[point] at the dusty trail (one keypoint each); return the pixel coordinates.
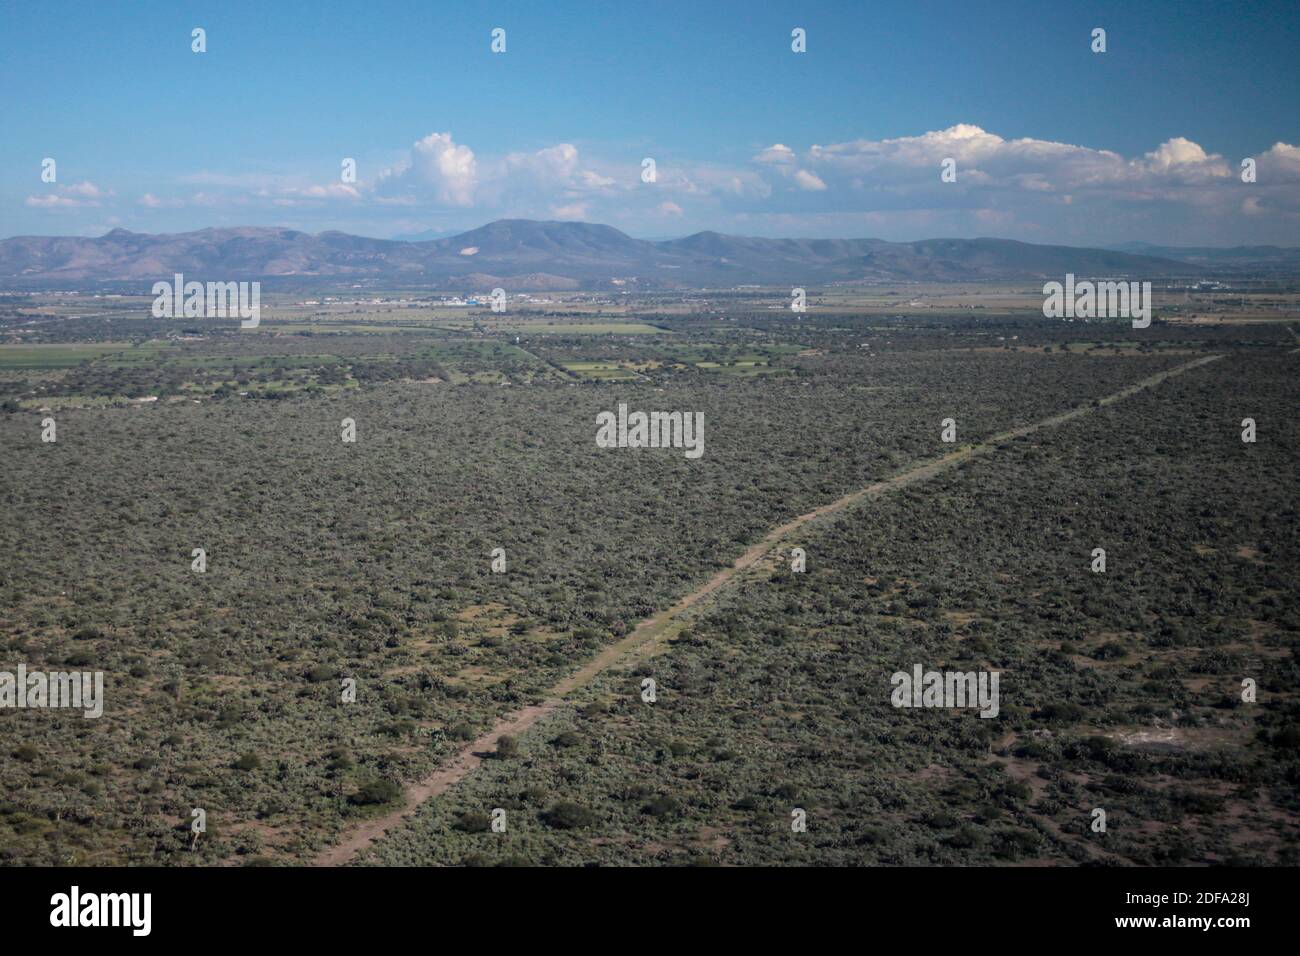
(647, 635)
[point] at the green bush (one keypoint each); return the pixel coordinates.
(376, 792)
(569, 816)
(474, 822)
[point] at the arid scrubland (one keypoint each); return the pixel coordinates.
(328, 562)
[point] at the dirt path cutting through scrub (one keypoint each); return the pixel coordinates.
(647, 635)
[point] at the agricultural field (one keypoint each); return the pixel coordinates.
(372, 562)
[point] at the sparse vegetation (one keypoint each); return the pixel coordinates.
(329, 561)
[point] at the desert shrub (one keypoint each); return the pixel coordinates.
(663, 806)
(249, 761)
(569, 816)
(474, 822)
(460, 731)
(1061, 712)
(376, 792)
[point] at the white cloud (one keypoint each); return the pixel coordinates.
(1038, 189)
(52, 201)
(556, 174)
(150, 201)
(808, 181)
(441, 172)
(77, 195)
(1280, 163)
(711, 181)
(1030, 164)
(448, 167)
(84, 190)
(331, 191)
(437, 167)
(557, 164)
(783, 160)
(1035, 188)
(311, 195)
(577, 210)
(777, 153)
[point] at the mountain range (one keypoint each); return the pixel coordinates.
(1238, 258)
(522, 254)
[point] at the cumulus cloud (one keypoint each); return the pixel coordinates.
(557, 165)
(436, 165)
(441, 172)
(73, 196)
(1029, 164)
(783, 160)
(777, 153)
(1279, 164)
(557, 178)
(1176, 152)
(1037, 189)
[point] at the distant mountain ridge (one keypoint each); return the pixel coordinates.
(549, 254)
(1253, 258)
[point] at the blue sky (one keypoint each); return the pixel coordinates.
(1051, 142)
